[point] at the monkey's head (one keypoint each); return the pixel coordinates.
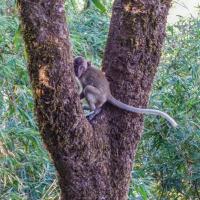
(80, 66)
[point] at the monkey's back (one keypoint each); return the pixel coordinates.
(95, 78)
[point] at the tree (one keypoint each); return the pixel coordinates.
(93, 159)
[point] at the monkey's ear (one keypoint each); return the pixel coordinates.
(89, 63)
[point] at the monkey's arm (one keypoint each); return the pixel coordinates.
(80, 88)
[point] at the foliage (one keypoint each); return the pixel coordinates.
(102, 5)
(166, 165)
(88, 34)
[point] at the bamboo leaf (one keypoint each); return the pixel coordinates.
(99, 5)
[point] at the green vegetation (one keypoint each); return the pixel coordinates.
(167, 163)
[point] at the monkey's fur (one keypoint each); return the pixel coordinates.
(96, 90)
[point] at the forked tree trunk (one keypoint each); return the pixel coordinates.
(93, 160)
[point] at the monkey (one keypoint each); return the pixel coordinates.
(96, 90)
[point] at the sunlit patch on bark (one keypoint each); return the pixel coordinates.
(38, 92)
(128, 7)
(43, 77)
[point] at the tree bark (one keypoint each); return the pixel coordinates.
(93, 160)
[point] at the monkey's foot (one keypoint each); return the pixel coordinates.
(92, 115)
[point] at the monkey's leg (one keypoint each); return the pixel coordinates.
(92, 95)
(91, 102)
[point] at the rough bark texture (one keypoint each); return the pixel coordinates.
(94, 160)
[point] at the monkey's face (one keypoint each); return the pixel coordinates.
(80, 66)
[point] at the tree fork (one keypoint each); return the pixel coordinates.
(94, 160)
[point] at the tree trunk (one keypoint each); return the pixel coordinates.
(93, 160)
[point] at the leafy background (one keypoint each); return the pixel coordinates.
(167, 164)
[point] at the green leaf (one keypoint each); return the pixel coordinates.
(17, 40)
(99, 5)
(141, 190)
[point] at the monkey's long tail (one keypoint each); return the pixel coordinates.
(126, 107)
